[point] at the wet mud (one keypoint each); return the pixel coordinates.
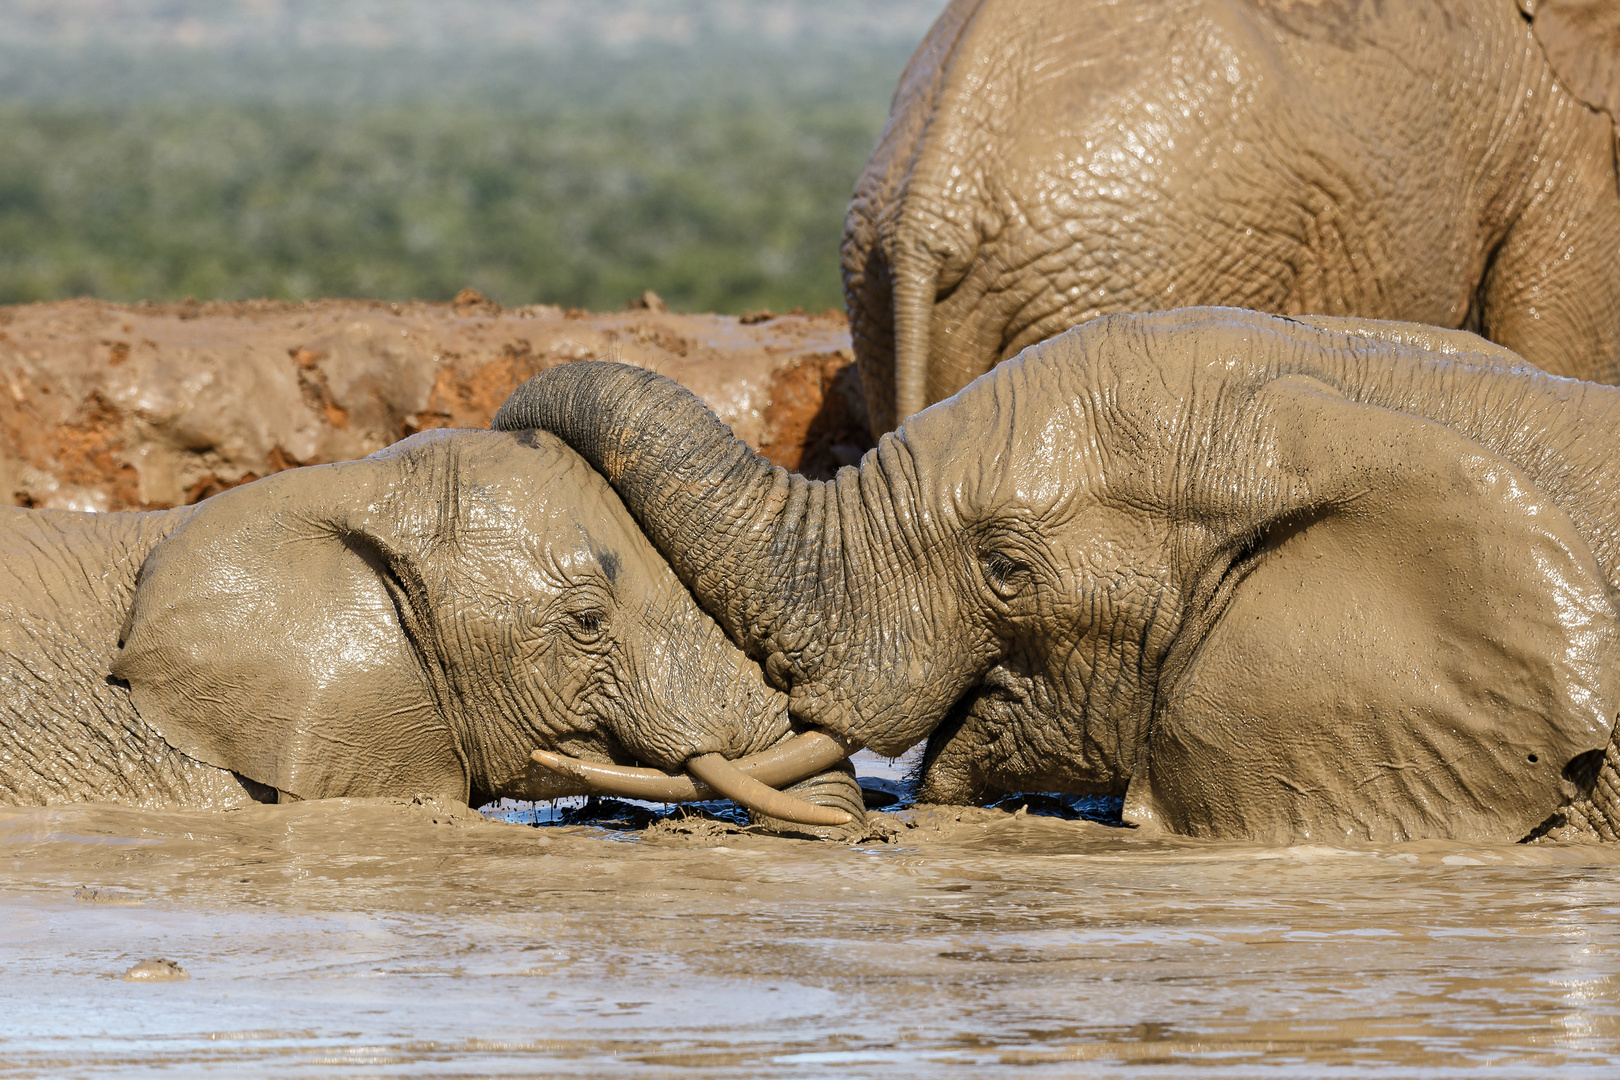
(404, 938)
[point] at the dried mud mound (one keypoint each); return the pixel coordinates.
(118, 407)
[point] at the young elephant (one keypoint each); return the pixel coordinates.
(1267, 578)
(415, 622)
(1048, 161)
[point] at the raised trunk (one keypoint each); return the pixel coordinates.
(761, 548)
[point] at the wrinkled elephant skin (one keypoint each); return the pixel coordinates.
(1283, 579)
(413, 623)
(1049, 161)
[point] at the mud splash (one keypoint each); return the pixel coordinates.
(404, 938)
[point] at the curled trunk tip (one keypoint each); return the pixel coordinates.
(724, 777)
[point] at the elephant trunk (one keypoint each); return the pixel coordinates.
(734, 527)
(915, 276)
(818, 581)
(765, 551)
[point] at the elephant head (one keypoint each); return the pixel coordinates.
(420, 620)
(1266, 577)
(1049, 161)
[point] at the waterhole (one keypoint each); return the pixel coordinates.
(383, 938)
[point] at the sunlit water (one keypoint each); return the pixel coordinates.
(395, 939)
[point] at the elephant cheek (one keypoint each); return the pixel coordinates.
(550, 699)
(1035, 725)
(645, 698)
(684, 699)
(966, 759)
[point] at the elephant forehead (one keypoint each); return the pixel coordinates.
(518, 469)
(548, 543)
(525, 498)
(1018, 439)
(578, 548)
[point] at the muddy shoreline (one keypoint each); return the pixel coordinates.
(394, 938)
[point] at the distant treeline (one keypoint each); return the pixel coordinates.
(721, 185)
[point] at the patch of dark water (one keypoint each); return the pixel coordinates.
(878, 793)
(1102, 809)
(886, 784)
(617, 815)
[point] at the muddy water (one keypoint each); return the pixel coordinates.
(397, 939)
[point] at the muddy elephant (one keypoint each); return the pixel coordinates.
(1271, 578)
(416, 622)
(1048, 161)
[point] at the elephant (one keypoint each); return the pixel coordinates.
(417, 622)
(1048, 161)
(1265, 578)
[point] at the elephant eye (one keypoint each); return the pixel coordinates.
(586, 625)
(1003, 571)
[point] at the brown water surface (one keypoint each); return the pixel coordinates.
(399, 939)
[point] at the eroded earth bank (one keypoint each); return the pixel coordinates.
(129, 407)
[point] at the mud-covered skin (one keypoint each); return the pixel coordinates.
(1274, 578)
(1449, 163)
(415, 622)
(69, 731)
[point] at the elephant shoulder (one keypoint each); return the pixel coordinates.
(68, 732)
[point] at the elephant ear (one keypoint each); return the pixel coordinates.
(269, 636)
(1416, 645)
(1581, 40)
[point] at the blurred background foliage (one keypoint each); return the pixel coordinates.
(573, 152)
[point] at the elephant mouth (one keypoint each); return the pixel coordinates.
(750, 781)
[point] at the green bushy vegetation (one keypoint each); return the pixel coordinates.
(579, 180)
(715, 211)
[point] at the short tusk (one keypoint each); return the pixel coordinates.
(802, 756)
(724, 777)
(799, 758)
(654, 785)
